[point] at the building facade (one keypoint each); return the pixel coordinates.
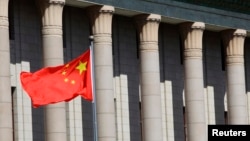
(164, 69)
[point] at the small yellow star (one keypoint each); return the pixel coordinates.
(67, 65)
(81, 67)
(64, 72)
(73, 82)
(66, 79)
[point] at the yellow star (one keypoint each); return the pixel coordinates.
(73, 81)
(67, 65)
(64, 72)
(81, 67)
(66, 79)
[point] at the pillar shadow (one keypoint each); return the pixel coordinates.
(25, 48)
(76, 40)
(171, 67)
(214, 76)
(126, 69)
(247, 70)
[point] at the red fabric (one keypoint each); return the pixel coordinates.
(61, 83)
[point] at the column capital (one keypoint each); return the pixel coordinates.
(44, 2)
(47, 4)
(101, 18)
(51, 13)
(147, 27)
(189, 27)
(144, 18)
(233, 40)
(62, 2)
(193, 25)
(191, 33)
(227, 35)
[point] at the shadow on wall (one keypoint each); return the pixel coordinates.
(126, 73)
(171, 66)
(26, 48)
(76, 32)
(247, 72)
(171, 74)
(214, 77)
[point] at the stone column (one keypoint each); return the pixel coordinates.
(147, 26)
(193, 82)
(101, 21)
(55, 114)
(236, 89)
(6, 128)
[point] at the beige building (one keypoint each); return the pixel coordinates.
(164, 69)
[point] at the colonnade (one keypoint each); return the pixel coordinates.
(147, 27)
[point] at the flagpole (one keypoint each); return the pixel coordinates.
(91, 38)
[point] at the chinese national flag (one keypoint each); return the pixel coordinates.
(61, 83)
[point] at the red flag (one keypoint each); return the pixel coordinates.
(61, 83)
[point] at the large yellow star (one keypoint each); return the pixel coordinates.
(81, 67)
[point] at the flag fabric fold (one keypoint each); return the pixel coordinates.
(60, 83)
